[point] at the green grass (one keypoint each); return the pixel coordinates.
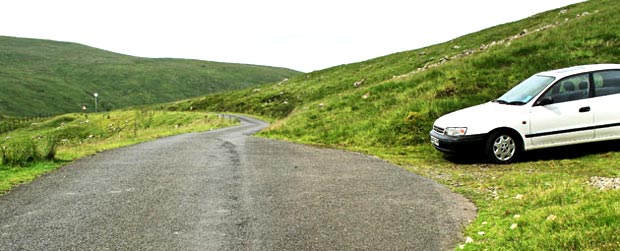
(391, 113)
(546, 197)
(528, 193)
(79, 135)
(41, 77)
(13, 176)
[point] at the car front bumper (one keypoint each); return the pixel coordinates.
(459, 144)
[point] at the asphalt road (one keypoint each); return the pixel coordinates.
(227, 190)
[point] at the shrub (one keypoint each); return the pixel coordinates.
(46, 148)
(18, 152)
(21, 151)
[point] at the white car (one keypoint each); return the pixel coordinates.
(555, 108)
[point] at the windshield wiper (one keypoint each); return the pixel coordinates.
(504, 102)
(516, 103)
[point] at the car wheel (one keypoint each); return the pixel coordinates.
(502, 147)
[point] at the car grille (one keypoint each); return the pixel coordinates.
(438, 129)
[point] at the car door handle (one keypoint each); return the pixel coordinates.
(584, 109)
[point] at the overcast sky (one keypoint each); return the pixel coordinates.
(304, 35)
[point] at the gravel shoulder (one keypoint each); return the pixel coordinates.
(227, 190)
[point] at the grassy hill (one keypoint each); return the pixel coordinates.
(39, 77)
(402, 94)
(386, 107)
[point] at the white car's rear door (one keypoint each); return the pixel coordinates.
(606, 105)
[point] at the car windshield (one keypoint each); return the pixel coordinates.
(525, 91)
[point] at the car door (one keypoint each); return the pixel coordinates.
(568, 119)
(606, 104)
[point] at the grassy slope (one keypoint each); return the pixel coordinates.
(400, 111)
(390, 115)
(52, 77)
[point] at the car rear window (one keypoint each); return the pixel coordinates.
(606, 82)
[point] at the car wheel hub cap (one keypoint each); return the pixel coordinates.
(504, 148)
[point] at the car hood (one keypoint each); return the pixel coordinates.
(487, 114)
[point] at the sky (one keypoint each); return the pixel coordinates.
(304, 35)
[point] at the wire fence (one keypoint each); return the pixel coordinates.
(228, 117)
(11, 124)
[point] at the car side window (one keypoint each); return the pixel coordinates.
(569, 89)
(606, 83)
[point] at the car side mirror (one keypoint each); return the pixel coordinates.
(545, 101)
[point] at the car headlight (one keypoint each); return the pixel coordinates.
(456, 131)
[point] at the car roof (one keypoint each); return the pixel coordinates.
(561, 73)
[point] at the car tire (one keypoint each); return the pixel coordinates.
(502, 147)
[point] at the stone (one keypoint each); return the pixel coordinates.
(359, 83)
(605, 183)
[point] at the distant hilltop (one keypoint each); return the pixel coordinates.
(41, 77)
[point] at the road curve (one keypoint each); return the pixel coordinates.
(227, 190)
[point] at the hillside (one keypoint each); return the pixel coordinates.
(386, 106)
(40, 77)
(400, 95)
